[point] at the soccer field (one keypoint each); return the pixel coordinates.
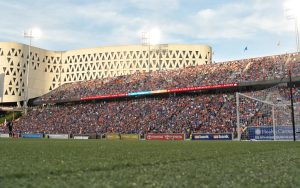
(95, 163)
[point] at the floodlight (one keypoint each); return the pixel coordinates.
(36, 32)
(291, 7)
(33, 33)
(154, 36)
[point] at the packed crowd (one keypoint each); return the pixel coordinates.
(198, 113)
(255, 69)
(257, 106)
(174, 114)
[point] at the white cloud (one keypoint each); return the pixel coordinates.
(155, 5)
(69, 25)
(238, 20)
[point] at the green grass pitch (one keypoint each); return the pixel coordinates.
(98, 163)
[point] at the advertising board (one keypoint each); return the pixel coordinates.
(3, 135)
(267, 133)
(58, 136)
(81, 137)
(31, 135)
(129, 136)
(158, 136)
(113, 136)
(211, 136)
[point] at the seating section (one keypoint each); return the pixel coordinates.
(199, 113)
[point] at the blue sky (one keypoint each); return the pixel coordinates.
(226, 25)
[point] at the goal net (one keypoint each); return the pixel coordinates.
(267, 115)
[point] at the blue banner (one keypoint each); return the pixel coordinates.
(260, 133)
(139, 93)
(286, 133)
(267, 133)
(32, 135)
(208, 136)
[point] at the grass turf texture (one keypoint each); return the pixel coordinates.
(95, 163)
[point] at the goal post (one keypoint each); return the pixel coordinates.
(265, 115)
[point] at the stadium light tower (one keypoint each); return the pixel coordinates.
(31, 33)
(149, 39)
(291, 7)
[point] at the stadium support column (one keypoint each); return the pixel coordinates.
(297, 35)
(292, 106)
(27, 72)
(238, 128)
(146, 42)
(273, 121)
(32, 33)
(60, 68)
(149, 53)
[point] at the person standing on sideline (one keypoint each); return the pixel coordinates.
(9, 125)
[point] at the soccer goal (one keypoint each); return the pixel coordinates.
(266, 115)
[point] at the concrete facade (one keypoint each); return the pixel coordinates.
(50, 69)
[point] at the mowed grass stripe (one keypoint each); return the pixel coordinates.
(94, 163)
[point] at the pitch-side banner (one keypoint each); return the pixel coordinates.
(154, 136)
(267, 133)
(58, 136)
(32, 135)
(4, 135)
(129, 136)
(113, 136)
(81, 137)
(207, 136)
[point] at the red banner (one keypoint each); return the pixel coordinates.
(161, 91)
(104, 96)
(154, 136)
(202, 87)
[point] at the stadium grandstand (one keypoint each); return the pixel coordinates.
(200, 98)
(48, 70)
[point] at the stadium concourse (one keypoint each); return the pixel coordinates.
(197, 112)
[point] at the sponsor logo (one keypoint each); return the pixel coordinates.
(165, 136)
(223, 136)
(257, 131)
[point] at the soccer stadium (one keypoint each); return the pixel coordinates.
(147, 115)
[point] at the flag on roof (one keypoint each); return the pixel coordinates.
(278, 43)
